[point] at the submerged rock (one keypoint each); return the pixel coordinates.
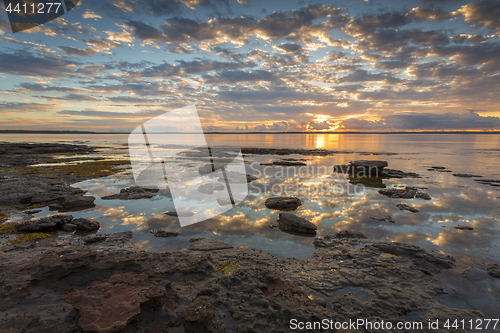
(285, 163)
(283, 203)
(294, 223)
(406, 193)
(164, 233)
(385, 218)
(179, 214)
(133, 193)
(403, 206)
(210, 188)
(493, 269)
(463, 227)
(466, 175)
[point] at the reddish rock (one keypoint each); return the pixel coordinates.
(107, 307)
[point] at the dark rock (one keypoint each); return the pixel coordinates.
(412, 251)
(406, 193)
(393, 173)
(205, 244)
(73, 203)
(45, 224)
(164, 233)
(94, 238)
(288, 163)
(210, 188)
(385, 218)
(349, 234)
(493, 269)
(403, 206)
(69, 227)
(133, 193)
(369, 164)
(180, 214)
(32, 211)
(438, 168)
(283, 203)
(86, 224)
(294, 223)
(463, 227)
(465, 175)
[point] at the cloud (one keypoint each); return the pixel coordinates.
(26, 64)
(426, 121)
(297, 25)
(233, 77)
(74, 51)
(319, 126)
(483, 13)
(290, 48)
(190, 67)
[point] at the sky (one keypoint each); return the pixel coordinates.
(252, 65)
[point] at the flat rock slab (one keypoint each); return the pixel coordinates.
(45, 224)
(463, 227)
(58, 222)
(210, 188)
(179, 214)
(369, 164)
(286, 163)
(493, 269)
(107, 307)
(283, 203)
(164, 233)
(133, 193)
(406, 193)
(73, 203)
(294, 223)
(205, 244)
(466, 175)
(403, 206)
(385, 218)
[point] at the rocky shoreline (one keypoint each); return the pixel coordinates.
(62, 285)
(90, 282)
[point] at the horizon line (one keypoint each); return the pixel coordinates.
(257, 132)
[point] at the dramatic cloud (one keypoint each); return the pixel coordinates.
(258, 66)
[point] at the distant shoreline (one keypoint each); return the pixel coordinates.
(316, 132)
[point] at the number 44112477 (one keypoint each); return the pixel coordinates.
(39, 8)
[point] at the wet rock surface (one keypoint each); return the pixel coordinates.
(164, 233)
(385, 218)
(73, 203)
(58, 222)
(283, 203)
(133, 193)
(406, 193)
(493, 269)
(294, 223)
(24, 184)
(466, 175)
(403, 206)
(99, 287)
(490, 182)
(286, 163)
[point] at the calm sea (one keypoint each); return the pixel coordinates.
(455, 201)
